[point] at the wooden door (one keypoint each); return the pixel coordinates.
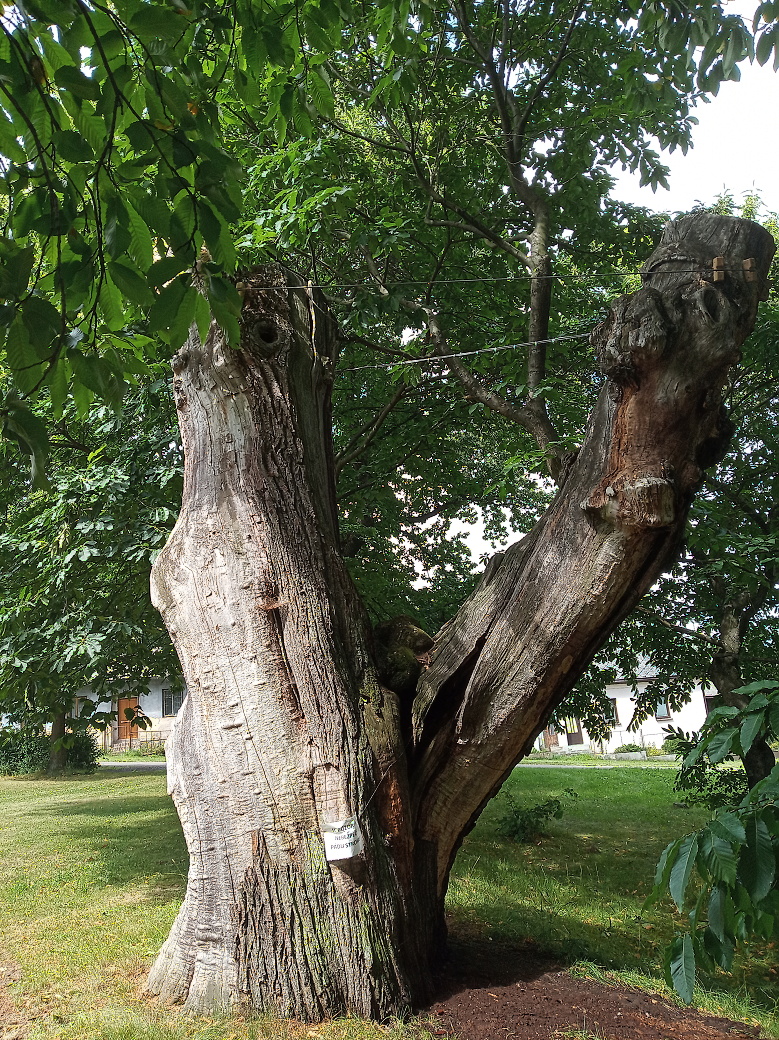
(126, 730)
(573, 730)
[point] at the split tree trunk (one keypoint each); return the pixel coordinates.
(286, 729)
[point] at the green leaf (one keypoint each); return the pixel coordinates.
(166, 307)
(202, 316)
(130, 283)
(750, 728)
(720, 745)
(43, 323)
(682, 868)
(141, 248)
(757, 866)
(716, 913)
(166, 269)
(680, 967)
(182, 223)
(728, 826)
(72, 147)
(22, 358)
(749, 689)
(321, 93)
(30, 433)
(154, 20)
(110, 304)
(57, 380)
(217, 235)
(718, 856)
(765, 45)
(70, 78)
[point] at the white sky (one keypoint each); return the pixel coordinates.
(736, 147)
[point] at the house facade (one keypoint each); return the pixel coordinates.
(159, 706)
(572, 736)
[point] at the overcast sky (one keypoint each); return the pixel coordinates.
(736, 147)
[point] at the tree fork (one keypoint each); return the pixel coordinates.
(286, 728)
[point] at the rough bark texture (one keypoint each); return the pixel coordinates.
(286, 727)
(272, 742)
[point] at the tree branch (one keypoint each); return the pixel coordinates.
(681, 629)
(368, 432)
(538, 425)
(521, 124)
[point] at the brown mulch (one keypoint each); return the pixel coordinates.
(491, 992)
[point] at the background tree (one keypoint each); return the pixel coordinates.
(75, 611)
(122, 128)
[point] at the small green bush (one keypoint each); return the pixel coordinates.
(83, 751)
(23, 751)
(152, 747)
(523, 823)
(704, 782)
(626, 749)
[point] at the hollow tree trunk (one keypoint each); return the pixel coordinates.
(286, 730)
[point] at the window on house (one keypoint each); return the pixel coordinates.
(613, 717)
(171, 701)
(661, 710)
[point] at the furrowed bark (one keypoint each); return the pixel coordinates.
(518, 645)
(274, 740)
(286, 728)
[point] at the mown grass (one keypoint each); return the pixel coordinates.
(158, 755)
(92, 871)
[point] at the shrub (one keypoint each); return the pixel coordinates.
(703, 782)
(523, 823)
(83, 751)
(625, 749)
(151, 748)
(23, 751)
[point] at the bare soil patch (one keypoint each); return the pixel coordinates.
(14, 1024)
(488, 991)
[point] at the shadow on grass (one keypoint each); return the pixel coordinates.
(126, 836)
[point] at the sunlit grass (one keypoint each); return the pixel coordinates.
(92, 871)
(578, 893)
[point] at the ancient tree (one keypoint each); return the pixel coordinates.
(323, 809)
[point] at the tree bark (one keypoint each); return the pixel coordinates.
(58, 753)
(725, 673)
(286, 729)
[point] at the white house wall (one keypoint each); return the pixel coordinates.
(150, 704)
(650, 733)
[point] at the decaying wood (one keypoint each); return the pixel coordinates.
(288, 727)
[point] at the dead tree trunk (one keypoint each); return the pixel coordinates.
(287, 735)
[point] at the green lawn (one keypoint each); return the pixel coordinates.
(578, 892)
(92, 871)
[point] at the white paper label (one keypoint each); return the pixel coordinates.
(342, 839)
